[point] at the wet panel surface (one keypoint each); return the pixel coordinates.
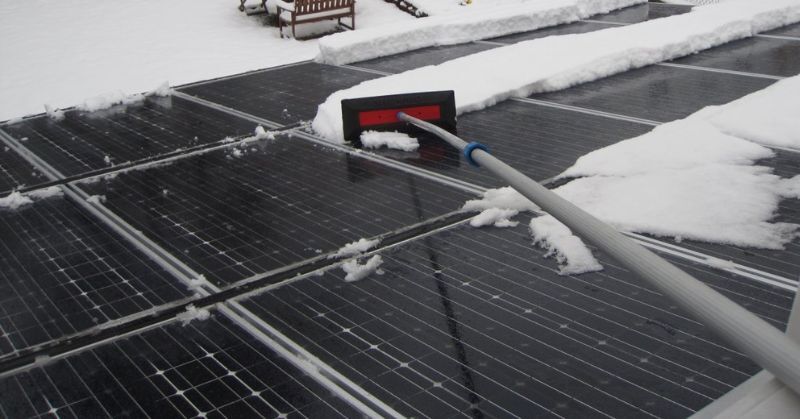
(643, 12)
(539, 141)
(83, 142)
(238, 212)
(572, 28)
(15, 172)
(774, 57)
(422, 57)
(207, 368)
(791, 30)
(285, 95)
(658, 93)
(63, 273)
(477, 321)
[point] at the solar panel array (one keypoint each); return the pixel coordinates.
(233, 237)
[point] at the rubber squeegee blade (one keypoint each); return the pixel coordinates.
(379, 113)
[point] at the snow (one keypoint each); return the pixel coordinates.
(770, 116)
(498, 217)
(260, 134)
(96, 199)
(678, 145)
(393, 140)
(16, 199)
(54, 113)
(506, 198)
(692, 179)
(558, 62)
(357, 271)
(192, 313)
(354, 248)
(451, 24)
(61, 53)
(571, 253)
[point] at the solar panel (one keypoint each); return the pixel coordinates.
(85, 142)
(15, 172)
(477, 322)
(572, 28)
(419, 58)
(285, 95)
(776, 57)
(207, 368)
(643, 12)
(658, 93)
(791, 30)
(64, 273)
(239, 212)
(539, 141)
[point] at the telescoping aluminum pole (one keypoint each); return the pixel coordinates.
(759, 340)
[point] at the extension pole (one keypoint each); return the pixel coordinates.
(763, 343)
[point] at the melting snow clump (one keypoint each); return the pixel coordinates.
(54, 113)
(193, 313)
(393, 140)
(355, 248)
(571, 253)
(499, 217)
(16, 199)
(356, 271)
(262, 134)
(96, 199)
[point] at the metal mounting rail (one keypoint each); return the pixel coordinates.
(756, 338)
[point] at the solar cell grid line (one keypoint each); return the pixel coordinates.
(514, 367)
(389, 364)
(230, 210)
(85, 142)
(210, 367)
(285, 95)
(657, 93)
(747, 293)
(66, 274)
(15, 172)
(692, 382)
(389, 358)
(401, 62)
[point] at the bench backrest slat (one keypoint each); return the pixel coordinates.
(302, 7)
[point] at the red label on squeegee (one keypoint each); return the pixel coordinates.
(389, 116)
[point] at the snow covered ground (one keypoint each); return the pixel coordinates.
(460, 24)
(65, 52)
(558, 62)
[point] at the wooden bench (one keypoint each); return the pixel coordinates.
(307, 11)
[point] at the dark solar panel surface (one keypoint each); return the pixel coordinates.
(658, 93)
(775, 57)
(477, 322)
(64, 272)
(463, 322)
(537, 140)
(207, 368)
(280, 202)
(284, 95)
(572, 28)
(643, 12)
(83, 142)
(423, 57)
(16, 172)
(791, 30)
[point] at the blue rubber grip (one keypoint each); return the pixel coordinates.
(472, 147)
